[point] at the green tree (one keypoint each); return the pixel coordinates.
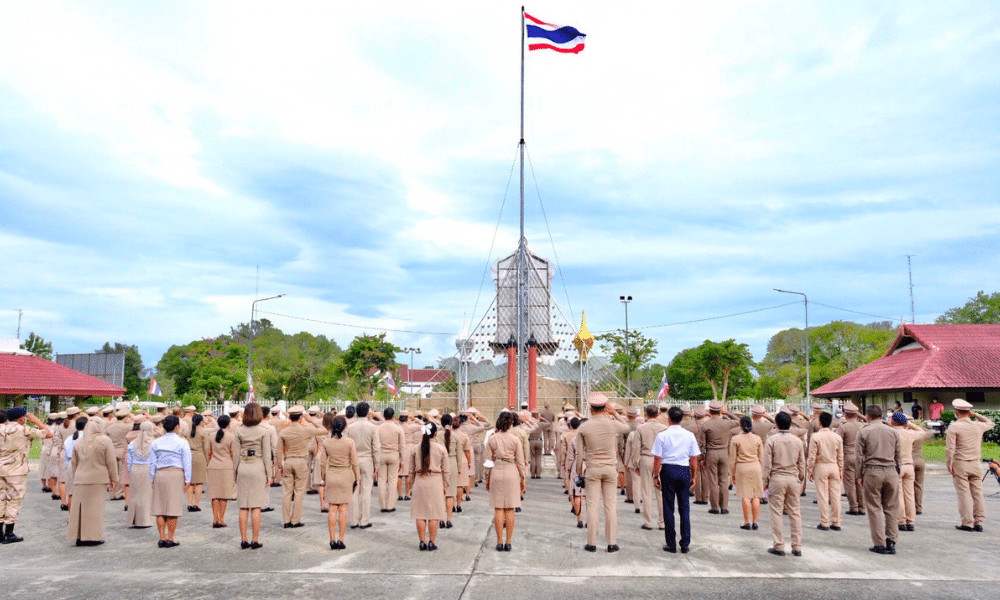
(213, 367)
(367, 359)
(36, 344)
(686, 383)
(630, 358)
(134, 382)
(981, 309)
(719, 364)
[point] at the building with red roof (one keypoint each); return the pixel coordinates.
(927, 361)
(421, 381)
(24, 374)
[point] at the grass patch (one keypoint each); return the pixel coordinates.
(36, 450)
(934, 450)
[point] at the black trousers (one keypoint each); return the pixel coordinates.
(675, 483)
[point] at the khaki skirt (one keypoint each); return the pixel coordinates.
(427, 499)
(220, 484)
(749, 481)
(86, 515)
(505, 486)
(251, 485)
(69, 479)
(339, 485)
(140, 500)
(198, 468)
(168, 492)
(451, 482)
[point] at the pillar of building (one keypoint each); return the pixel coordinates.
(532, 374)
(512, 375)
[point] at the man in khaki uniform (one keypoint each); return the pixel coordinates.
(909, 434)
(963, 450)
(117, 431)
(314, 469)
(597, 445)
(784, 467)
(15, 443)
(393, 444)
(848, 432)
(878, 464)
(825, 466)
(369, 448)
(294, 442)
(536, 444)
(645, 437)
(412, 437)
(474, 426)
(550, 434)
(625, 479)
(713, 440)
(763, 423)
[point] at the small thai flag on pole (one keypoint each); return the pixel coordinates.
(664, 387)
(154, 388)
(391, 384)
(546, 36)
(251, 397)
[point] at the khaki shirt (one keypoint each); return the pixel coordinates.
(94, 462)
(848, 431)
(825, 447)
(784, 454)
(645, 436)
(964, 439)
(392, 440)
(366, 439)
(15, 443)
(295, 440)
(878, 446)
(117, 431)
(911, 436)
(745, 448)
(762, 428)
(598, 442)
(716, 432)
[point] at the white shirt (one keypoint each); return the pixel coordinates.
(170, 451)
(676, 445)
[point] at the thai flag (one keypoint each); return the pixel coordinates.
(546, 36)
(251, 397)
(391, 384)
(154, 388)
(664, 387)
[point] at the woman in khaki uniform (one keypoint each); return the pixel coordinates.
(341, 473)
(428, 473)
(319, 468)
(504, 478)
(79, 425)
(199, 441)
(140, 489)
(220, 480)
(746, 452)
(451, 443)
(253, 472)
(95, 472)
(464, 452)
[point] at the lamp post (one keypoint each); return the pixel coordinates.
(628, 374)
(253, 311)
(412, 351)
(806, 299)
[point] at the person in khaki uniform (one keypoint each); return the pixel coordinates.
(117, 431)
(598, 450)
(393, 445)
(963, 450)
(95, 472)
(294, 442)
(909, 434)
(643, 440)
(536, 443)
(550, 433)
(825, 466)
(919, 469)
(15, 443)
(412, 436)
(878, 464)
(713, 440)
(699, 415)
(848, 432)
(746, 455)
(784, 467)
(368, 446)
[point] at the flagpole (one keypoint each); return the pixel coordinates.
(522, 324)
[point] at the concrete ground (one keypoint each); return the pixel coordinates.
(547, 558)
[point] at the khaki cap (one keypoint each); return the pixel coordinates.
(72, 411)
(53, 416)
(190, 409)
(715, 406)
(404, 413)
(686, 409)
(296, 410)
(159, 405)
(700, 412)
(122, 412)
(313, 410)
(793, 408)
(632, 411)
(560, 415)
(206, 413)
(234, 410)
(851, 408)
(107, 410)
(93, 410)
(597, 400)
(959, 404)
(62, 415)
(157, 418)
(818, 406)
(663, 406)
(435, 413)
(758, 409)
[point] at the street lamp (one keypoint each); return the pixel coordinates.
(628, 375)
(806, 298)
(253, 311)
(412, 351)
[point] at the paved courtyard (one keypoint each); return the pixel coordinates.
(547, 559)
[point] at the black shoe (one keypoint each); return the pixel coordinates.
(723, 512)
(63, 508)
(920, 512)
(447, 525)
(244, 545)
(126, 508)
(763, 502)
(399, 499)
(630, 502)
(368, 526)
(354, 526)
(216, 526)
(499, 547)
(776, 552)
(458, 509)
(670, 549)
(341, 545)
(638, 511)
(312, 493)
(171, 544)
(441, 525)
(754, 527)
(978, 528)
(814, 501)
(423, 546)
(646, 527)
(878, 550)
(324, 510)
(468, 498)
(963, 528)
(579, 524)
(431, 546)
(288, 525)
(834, 527)
(375, 484)
(268, 509)
(861, 513)
(822, 527)
(162, 544)
(890, 546)
(853, 512)
(684, 549)
(406, 497)
(391, 510)
(796, 553)
(590, 548)
(299, 524)
(506, 547)
(89, 543)
(46, 490)
(256, 545)
(746, 526)
(613, 548)
(334, 545)
(802, 495)
(713, 512)
(699, 502)
(275, 485)
(56, 497)
(190, 508)
(196, 508)
(11, 539)
(518, 509)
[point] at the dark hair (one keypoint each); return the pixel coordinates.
(874, 412)
(337, 427)
(574, 423)
(446, 422)
(389, 413)
(224, 421)
(425, 449)
(652, 411)
(252, 414)
(295, 417)
(80, 424)
(362, 409)
(349, 411)
(515, 419)
(196, 420)
(3, 416)
(675, 414)
(265, 412)
(328, 421)
(746, 424)
(504, 421)
(403, 418)
(136, 426)
(783, 420)
(170, 423)
(463, 417)
(825, 419)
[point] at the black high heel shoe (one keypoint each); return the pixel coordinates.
(499, 547)
(431, 546)
(423, 546)
(506, 547)
(244, 545)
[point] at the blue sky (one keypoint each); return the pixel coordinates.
(694, 157)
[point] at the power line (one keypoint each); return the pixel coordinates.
(857, 312)
(496, 230)
(369, 327)
(746, 312)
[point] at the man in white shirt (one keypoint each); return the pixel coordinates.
(675, 458)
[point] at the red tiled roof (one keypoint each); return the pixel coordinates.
(33, 375)
(423, 375)
(948, 357)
